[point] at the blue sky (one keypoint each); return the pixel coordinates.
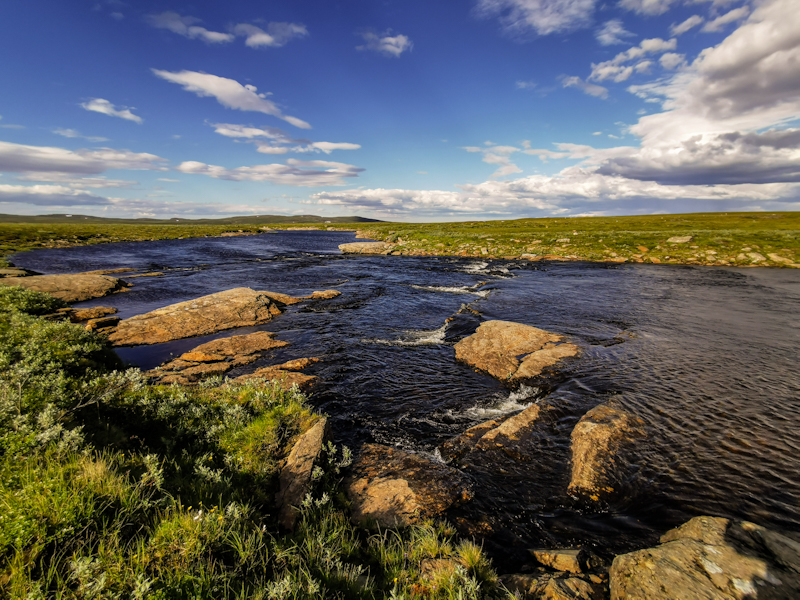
(401, 110)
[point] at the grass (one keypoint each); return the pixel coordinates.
(111, 488)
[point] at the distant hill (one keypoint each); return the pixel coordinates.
(250, 220)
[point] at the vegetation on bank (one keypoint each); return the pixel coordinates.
(113, 488)
(741, 239)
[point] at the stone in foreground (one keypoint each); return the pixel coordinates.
(511, 351)
(239, 307)
(365, 248)
(286, 374)
(597, 443)
(710, 558)
(75, 287)
(397, 488)
(295, 478)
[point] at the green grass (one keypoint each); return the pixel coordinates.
(113, 488)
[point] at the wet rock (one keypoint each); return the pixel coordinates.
(710, 557)
(96, 312)
(680, 239)
(552, 586)
(324, 295)
(398, 488)
(598, 442)
(295, 477)
(238, 307)
(571, 560)
(455, 448)
(75, 287)
(511, 351)
(365, 248)
(103, 325)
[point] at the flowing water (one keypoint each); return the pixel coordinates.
(706, 357)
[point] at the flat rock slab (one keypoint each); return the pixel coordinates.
(710, 558)
(597, 442)
(511, 351)
(296, 475)
(239, 307)
(75, 287)
(365, 248)
(286, 374)
(397, 488)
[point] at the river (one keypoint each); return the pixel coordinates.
(707, 357)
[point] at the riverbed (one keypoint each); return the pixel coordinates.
(707, 357)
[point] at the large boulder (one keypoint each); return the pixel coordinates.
(397, 488)
(74, 287)
(710, 558)
(365, 248)
(511, 351)
(599, 441)
(296, 475)
(239, 307)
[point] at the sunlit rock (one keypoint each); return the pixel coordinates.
(365, 248)
(75, 287)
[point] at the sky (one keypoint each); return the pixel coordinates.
(403, 110)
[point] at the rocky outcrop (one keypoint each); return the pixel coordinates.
(296, 475)
(568, 574)
(366, 248)
(599, 441)
(710, 557)
(511, 351)
(75, 287)
(239, 307)
(397, 488)
(85, 314)
(15, 272)
(286, 374)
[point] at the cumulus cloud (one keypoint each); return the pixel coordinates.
(497, 155)
(541, 16)
(228, 92)
(105, 107)
(684, 26)
(719, 23)
(310, 173)
(19, 158)
(48, 195)
(186, 27)
(71, 133)
(647, 7)
(612, 32)
(616, 68)
(276, 35)
(672, 61)
(386, 43)
(598, 91)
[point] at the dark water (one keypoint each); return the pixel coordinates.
(707, 357)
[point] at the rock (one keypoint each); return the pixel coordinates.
(780, 259)
(238, 345)
(96, 312)
(571, 560)
(15, 272)
(511, 351)
(455, 448)
(102, 324)
(286, 374)
(569, 588)
(153, 274)
(324, 295)
(295, 477)
(75, 287)
(597, 442)
(680, 239)
(710, 557)
(398, 488)
(239, 307)
(365, 248)
(756, 257)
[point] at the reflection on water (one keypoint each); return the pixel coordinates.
(707, 357)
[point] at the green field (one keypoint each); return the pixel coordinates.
(742, 239)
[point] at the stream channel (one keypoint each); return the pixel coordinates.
(707, 357)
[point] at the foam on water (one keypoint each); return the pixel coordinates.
(453, 289)
(516, 401)
(425, 337)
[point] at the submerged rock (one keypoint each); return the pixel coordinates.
(74, 287)
(296, 475)
(710, 557)
(398, 488)
(597, 442)
(239, 307)
(511, 351)
(366, 248)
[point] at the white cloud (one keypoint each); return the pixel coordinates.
(648, 7)
(612, 32)
(71, 133)
(328, 147)
(280, 142)
(525, 85)
(386, 43)
(686, 25)
(229, 93)
(18, 158)
(541, 16)
(672, 61)
(277, 34)
(186, 27)
(68, 179)
(617, 70)
(730, 17)
(311, 173)
(497, 155)
(48, 195)
(105, 107)
(598, 91)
